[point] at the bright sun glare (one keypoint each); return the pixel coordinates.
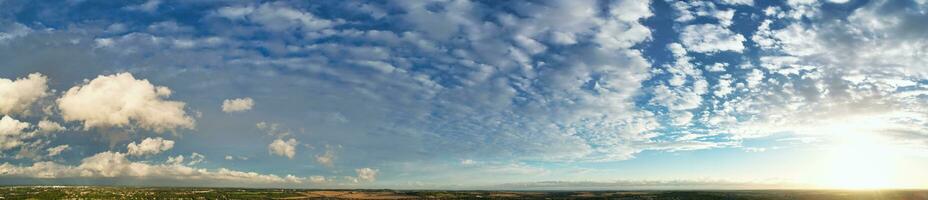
(858, 155)
(861, 161)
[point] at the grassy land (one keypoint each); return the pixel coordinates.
(77, 192)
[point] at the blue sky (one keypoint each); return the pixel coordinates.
(464, 94)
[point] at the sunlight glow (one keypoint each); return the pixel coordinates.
(860, 158)
(862, 162)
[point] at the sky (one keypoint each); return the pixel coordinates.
(608, 94)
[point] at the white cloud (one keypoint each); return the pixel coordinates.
(725, 17)
(175, 160)
(196, 158)
(116, 165)
(148, 6)
(676, 99)
(272, 129)
(530, 45)
(367, 174)
(625, 32)
(120, 100)
(683, 9)
(682, 118)
(690, 10)
(33, 149)
(12, 132)
(723, 86)
(755, 78)
(46, 126)
(794, 39)
(10, 126)
(326, 158)
(103, 42)
(763, 37)
(276, 17)
(112, 164)
(54, 151)
(739, 2)
(237, 105)
(711, 38)
(717, 67)
(149, 146)
(20, 94)
(283, 148)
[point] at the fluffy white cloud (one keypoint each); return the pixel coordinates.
(794, 39)
(283, 148)
(112, 164)
(690, 10)
(12, 132)
(116, 165)
(682, 118)
(175, 160)
(717, 67)
(367, 174)
(46, 126)
(10, 126)
(725, 17)
(149, 146)
(755, 78)
(120, 100)
(682, 98)
(196, 158)
(17, 96)
(677, 96)
(54, 151)
(623, 32)
(326, 158)
(723, 86)
(237, 105)
(710, 38)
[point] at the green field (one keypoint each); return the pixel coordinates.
(91, 192)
